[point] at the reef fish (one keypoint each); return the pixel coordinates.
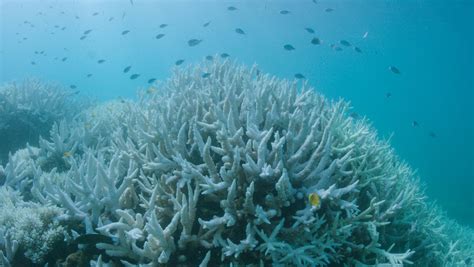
(299, 76)
(127, 69)
(179, 62)
(206, 24)
(164, 25)
(288, 47)
(357, 49)
(344, 43)
(100, 61)
(309, 30)
(225, 55)
(125, 32)
(194, 42)
(315, 41)
(284, 12)
(87, 32)
(239, 31)
(206, 75)
(394, 69)
(152, 80)
(134, 76)
(160, 35)
(231, 8)
(329, 10)
(314, 199)
(209, 57)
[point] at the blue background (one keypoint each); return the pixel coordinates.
(431, 42)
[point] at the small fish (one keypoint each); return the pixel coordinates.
(194, 42)
(67, 154)
(127, 69)
(231, 8)
(288, 47)
(83, 37)
(111, 18)
(315, 41)
(206, 75)
(64, 59)
(388, 95)
(179, 62)
(314, 1)
(160, 35)
(329, 10)
(314, 199)
(125, 32)
(33, 63)
(210, 58)
(357, 49)
(77, 17)
(151, 90)
(131, 2)
(72, 86)
(225, 55)
(284, 12)
(100, 61)
(134, 76)
(206, 24)
(337, 48)
(63, 28)
(95, 14)
(354, 115)
(394, 69)
(299, 76)
(87, 32)
(309, 30)
(152, 80)
(344, 43)
(89, 75)
(365, 35)
(123, 15)
(164, 25)
(415, 124)
(432, 135)
(239, 31)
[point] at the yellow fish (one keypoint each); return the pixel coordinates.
(67, 154)
(151, 90)
(314, 199)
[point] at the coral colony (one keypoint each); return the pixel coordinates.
(235, 168)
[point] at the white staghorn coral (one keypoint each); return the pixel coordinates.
(217, 171)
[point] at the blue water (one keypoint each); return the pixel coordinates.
(430, 42)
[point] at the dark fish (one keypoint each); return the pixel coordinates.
(357, 49)
(299, 76)
(95, 14)
(394, 69)
(92, 239)
(329, 10)
(72, 86)
(125, 32)
(33, 63)
(206, 75)
(310, 30)
(152, 80)
(127, 69)
(63, 28)
(64, 59)
(160, 35)
(111, 18)
(89, 75)
(134, 76)
(206, 24)
(316, 41)
(225, 55)
(77, 17)
(179, 62)
(284, 12)
(231, 8)
(100, 61)
(388, 95)
(432, 135)
(87, 32)
(83, 37)
(123, 15)
(210, 58)
(354, 115)
(415, 124)
(344, 43)
(288, 47)
(314, 1)
(194, 42)
(164, 25)
(337, 48)
(239, 31)
(131, 2)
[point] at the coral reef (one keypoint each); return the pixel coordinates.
(217, 170)
(29, 108)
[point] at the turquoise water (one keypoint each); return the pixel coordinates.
(430, 42)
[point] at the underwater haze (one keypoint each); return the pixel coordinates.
(407, 66)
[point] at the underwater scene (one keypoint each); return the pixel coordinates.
(236, 133)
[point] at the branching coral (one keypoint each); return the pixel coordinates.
(216, 170)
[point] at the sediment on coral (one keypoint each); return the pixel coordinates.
(217, 170)
(29, 108)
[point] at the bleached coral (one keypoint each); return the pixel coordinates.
(29, 108)
(217, 171)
